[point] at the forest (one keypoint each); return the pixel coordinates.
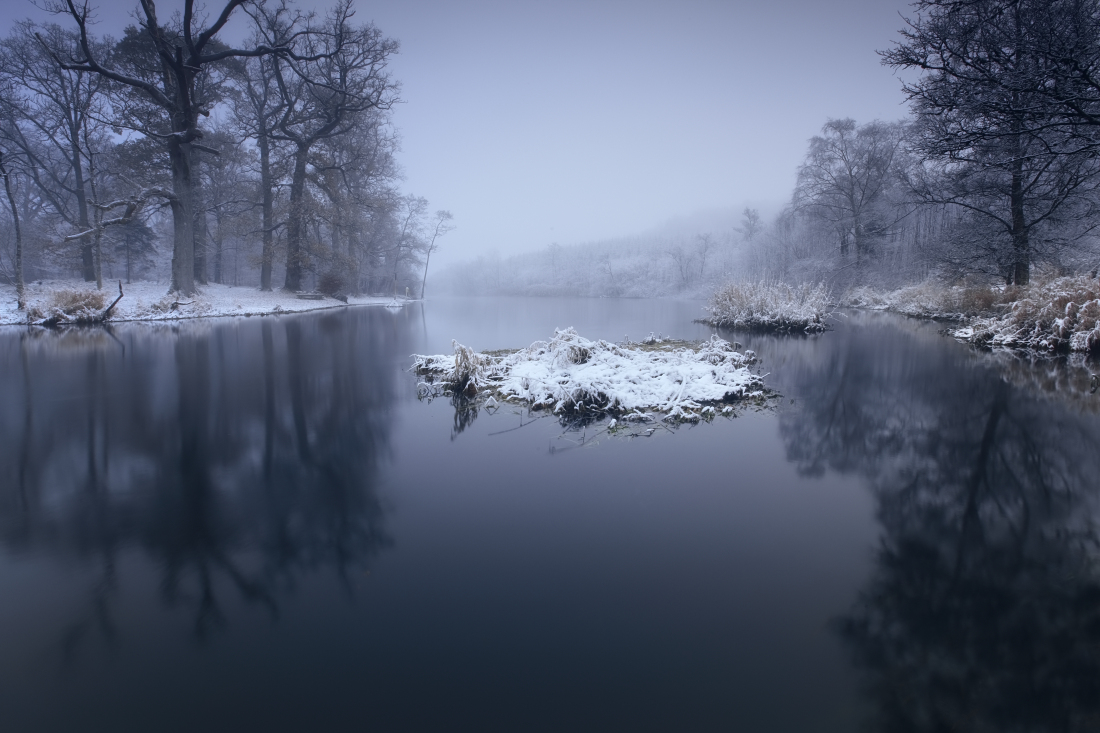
(169, 155)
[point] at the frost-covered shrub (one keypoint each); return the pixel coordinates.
(75, 302)
(1056, 315)
(770, 306)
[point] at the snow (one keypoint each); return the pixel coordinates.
(148, 301)
(570, 373)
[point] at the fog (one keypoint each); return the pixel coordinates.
(580, 122)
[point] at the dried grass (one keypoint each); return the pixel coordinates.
(69, 305)
(770, 306)
(1055, 315)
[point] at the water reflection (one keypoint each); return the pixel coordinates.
(983, 612)
(236, 457)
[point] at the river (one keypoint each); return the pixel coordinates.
(254, 524)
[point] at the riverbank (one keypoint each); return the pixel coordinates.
(149, 301)
(1051, 315)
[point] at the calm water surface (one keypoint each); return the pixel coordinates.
(254, 525)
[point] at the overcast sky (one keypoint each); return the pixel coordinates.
(539, 122)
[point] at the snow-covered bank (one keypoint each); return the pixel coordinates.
(569, 373)
(770, 306)
(147, 301)
(1051, 315)
(1056, 316)
(932, 299)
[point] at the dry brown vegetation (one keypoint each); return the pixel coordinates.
(70, 303)
(1053, 315)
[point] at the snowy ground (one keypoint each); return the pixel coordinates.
(571, 374)
(146, 301)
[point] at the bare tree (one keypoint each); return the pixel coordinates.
(441, 226)
(408, 239)
(705, 242)
(53, 117)
(20, 297)
(845, 178)
(985, 124)
(339, 74)
(355, 173)
(750, 224)
(682, 257)
(257, 114)
(183, 54)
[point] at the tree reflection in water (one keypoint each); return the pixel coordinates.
(983, 612)
(236, 456)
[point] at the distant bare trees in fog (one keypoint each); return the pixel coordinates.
(634, 267)
(996, 170)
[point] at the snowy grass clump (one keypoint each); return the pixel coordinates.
(570, 374)
(770, 306)
(1056, 316)
(68, 304)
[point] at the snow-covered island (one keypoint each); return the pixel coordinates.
(571, 374)
(70, 302)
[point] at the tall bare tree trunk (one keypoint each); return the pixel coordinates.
(87, 255)
(20, 295)
(424, 280)
(97, 239)
(268, 210)
(219, 250)
(294, 227)
(98, 255)
(202, 228)
(1021, 256)
(183, 219)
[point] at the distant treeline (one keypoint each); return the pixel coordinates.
(167, 153)
(995, 171)
(633, 267)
